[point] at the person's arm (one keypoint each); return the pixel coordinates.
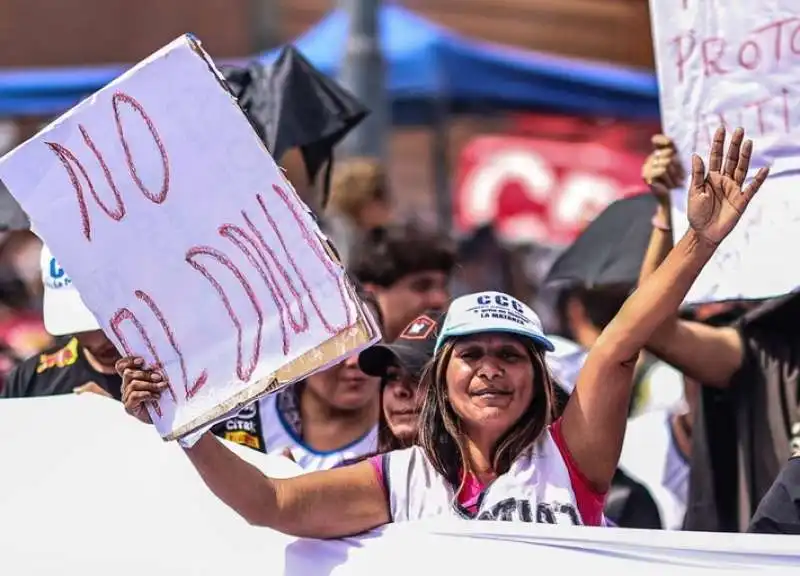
(709, 354)
(660, 242)
(594, 420)
(327, 504)
(662, 171)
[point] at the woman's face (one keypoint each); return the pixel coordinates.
(489, 383)
(344, 387)
(402, 401)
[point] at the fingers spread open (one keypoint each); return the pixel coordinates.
(750, 190)
(698, 172)
(743, 165)
(732, 157)
(717, 150)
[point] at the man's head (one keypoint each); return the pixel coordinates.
(408, 269)
(66, 314)
(359, 191)
(585, 312)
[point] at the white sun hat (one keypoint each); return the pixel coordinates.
(64, 310)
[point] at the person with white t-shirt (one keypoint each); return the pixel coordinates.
(327, 419)
(487, 446)
(657, 452)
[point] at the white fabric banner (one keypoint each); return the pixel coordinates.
(85, 489)
(736, 63)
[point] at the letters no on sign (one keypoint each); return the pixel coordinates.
(287, 295)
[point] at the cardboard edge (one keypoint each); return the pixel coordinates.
(354, 338)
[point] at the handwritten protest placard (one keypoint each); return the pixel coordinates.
(185, 241)
(737, 63)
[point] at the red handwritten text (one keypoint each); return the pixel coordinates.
(768, 116)
(116, 320)
(319, 252)
(764, 47)
(244, 371)
(70, 162)
(122, 98)
(188, 389)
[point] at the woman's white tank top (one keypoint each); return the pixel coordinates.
(537, 488)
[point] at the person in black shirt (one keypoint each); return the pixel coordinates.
(84, 358)
(779, 510)
(67, 369)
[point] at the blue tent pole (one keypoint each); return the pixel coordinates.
(363, 73)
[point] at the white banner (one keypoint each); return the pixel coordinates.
(737, 63)
(86, 489)
(185, 240)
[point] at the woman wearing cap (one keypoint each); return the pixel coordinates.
(400, 367)
(485, 423)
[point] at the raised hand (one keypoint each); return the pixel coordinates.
(662, 170)
(717, 199)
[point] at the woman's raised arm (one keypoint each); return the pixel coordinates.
(328, 504)
(595, 417)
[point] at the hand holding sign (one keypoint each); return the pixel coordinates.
(717, 200)
(139, 387)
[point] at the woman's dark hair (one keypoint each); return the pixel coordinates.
(440, 434)
(601, 305)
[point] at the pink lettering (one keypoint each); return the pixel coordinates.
(189, 389)
(244, 371)
(712, 50)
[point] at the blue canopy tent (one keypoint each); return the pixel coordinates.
(431, 72)
(425, 63)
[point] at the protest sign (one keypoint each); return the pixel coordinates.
(737, 64)
(185, 241)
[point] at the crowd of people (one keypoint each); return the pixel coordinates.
(631, 412)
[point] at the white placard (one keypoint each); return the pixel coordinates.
(737, 63)
(184, 239)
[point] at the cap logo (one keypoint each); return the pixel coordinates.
(419, 329)
(501, 300)
(501, 307)
(56, 276)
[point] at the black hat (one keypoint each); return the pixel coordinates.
(412, 350)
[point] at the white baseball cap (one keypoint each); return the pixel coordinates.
(492, 312)
(64, 310)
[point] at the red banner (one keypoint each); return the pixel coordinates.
(542, 190)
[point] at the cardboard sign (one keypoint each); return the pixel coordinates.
(185, 241)
(737, 64)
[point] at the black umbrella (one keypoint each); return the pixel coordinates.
(611, 249)
(291, 104)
